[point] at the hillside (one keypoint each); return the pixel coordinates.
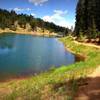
(10, 21)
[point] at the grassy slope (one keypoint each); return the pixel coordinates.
(53, 85)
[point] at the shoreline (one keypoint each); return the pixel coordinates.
(78, 57)
(25, 32)
(55, 79)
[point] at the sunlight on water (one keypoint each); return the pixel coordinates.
(22, 55)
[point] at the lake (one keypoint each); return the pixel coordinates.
(25, 55)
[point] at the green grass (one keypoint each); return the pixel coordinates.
(55, 84)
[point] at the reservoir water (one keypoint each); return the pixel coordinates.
(24, 55)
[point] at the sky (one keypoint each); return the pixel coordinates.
(60, 12)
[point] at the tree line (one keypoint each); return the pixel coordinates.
(88, 18)
(10, 19)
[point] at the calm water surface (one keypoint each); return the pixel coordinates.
(24, 55)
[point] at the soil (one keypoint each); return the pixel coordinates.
(91, 89)
(88, 44)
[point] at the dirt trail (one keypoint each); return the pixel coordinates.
(91, 90)
(88, 44)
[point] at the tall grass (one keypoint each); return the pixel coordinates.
(56, 84)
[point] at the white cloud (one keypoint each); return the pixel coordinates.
(59, 18)
(60, 12)
(22, 9)
(38, 2)
(33, 14)
(18, 9)
(28, 9)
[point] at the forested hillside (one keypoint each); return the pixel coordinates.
(88, 18)
(10, 19)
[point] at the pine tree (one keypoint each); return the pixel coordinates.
(88, 17)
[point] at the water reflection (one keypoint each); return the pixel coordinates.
(23, 55)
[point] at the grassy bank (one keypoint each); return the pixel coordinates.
(56, 84)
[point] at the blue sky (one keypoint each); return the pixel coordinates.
(60, 12)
